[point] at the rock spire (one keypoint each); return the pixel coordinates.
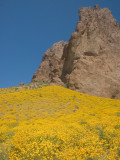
(90, 61)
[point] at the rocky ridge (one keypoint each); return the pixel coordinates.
(90, 61)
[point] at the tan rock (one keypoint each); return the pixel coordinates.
(21, 84)
(90, 61)
(50, 69)
(92, 56)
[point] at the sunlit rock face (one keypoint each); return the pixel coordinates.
(90, 61)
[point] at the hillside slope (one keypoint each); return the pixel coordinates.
(57, 123)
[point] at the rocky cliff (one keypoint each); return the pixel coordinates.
(90, 61)
(50, 69)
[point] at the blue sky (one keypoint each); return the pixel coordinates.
(29, 27)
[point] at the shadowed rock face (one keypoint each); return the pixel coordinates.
(50, 69)
(90, 61)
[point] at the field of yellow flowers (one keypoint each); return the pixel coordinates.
(55, 123)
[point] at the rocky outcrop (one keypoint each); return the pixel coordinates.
(50, 69)
(90, 61)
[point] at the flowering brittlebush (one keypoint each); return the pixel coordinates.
(54, 123)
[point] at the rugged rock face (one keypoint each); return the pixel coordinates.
(90, 61)
(50, 69)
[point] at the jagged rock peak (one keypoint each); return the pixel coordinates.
(97, 7)
(87, 13)
(90, 61)
(92, 56)
(99, 20)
